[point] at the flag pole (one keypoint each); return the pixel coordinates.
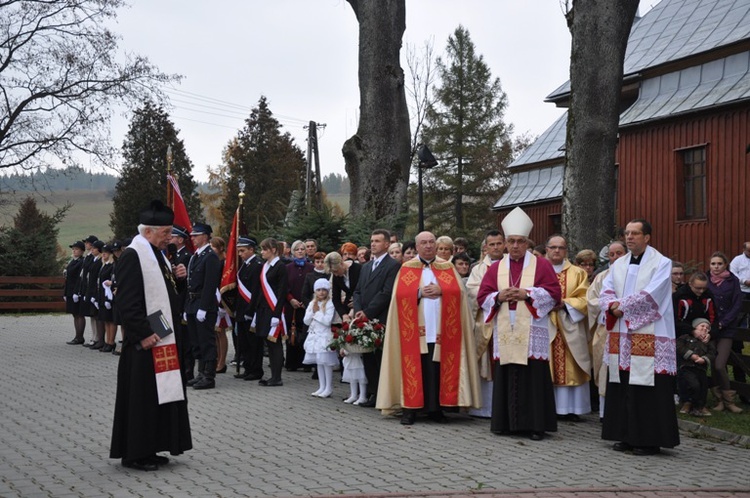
(170, 190)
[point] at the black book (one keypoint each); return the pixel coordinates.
(159, 325)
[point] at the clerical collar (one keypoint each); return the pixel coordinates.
(636, 260)
(425, 262)
(559, 268)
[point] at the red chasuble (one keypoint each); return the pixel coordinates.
(448, 344)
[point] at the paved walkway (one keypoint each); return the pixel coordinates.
(56, 404)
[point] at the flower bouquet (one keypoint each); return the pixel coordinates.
(358, 336)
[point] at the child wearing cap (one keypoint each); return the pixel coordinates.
(318, 318)
(695, 354)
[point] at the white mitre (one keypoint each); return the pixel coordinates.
(517, 222)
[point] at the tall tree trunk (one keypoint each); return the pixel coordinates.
(600, 31)
(377, 157)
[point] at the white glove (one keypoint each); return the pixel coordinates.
(201, 315)
(184, 317)
(93, 301)
(274, 323)
(75, 298)
(108, 305)
(253, 323)
(249, 319)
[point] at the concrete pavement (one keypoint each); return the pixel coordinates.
(56, 404)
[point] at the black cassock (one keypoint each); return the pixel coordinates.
(142, 427)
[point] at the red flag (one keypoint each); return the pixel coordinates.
(229, 277)
(180, 212)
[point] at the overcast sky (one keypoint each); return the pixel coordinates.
(302, 55)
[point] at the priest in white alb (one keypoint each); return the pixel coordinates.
(517, 294)
(636, 298)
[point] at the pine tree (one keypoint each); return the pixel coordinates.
(144, 172)
(271, 165)
(29, 247)
(467, 133)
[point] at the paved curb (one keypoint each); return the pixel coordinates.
(699, 430)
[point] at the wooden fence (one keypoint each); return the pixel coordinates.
(31, 294)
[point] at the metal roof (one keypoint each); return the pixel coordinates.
(549, 145)
(532, 186)
(713, 83)
(676, 29)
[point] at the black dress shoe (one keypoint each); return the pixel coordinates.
(408, 417)
(75, 342)
(572, 417)
(97, 345)
(263, 382)
(253, 377)
(157, 460)
(108, 348)
(438, 417)
(645, 450)
(370, 403)
(273, 383)
(536, 436)
(622, 446)
(222, 371)
(140, 464)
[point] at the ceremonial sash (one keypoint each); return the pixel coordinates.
(512, 342)
(448, 343)
(166, 362)
(272, 300)
(243, 291)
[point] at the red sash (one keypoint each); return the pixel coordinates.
(449, 337)
(272, 300)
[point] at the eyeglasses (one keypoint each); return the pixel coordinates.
(557, 248)
(585, 264)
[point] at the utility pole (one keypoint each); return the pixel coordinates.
(313, 189)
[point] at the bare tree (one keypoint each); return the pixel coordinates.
(421, 66)
(600, 31)
(60, 73)
(377, 156)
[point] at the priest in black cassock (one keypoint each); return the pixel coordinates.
(151, 405)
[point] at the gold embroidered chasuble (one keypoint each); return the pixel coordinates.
(482, 330)
(570, 360)
(391, 390)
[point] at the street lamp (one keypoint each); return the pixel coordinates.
(426, 160)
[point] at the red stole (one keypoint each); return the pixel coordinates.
(412, 333)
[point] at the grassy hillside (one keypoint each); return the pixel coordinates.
(88, 215)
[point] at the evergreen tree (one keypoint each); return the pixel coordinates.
(271, 165)
(29, 247)
(467, 133)
(144, 171)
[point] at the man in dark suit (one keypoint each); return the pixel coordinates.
(248, 283)
(204, 276)
(372, 298)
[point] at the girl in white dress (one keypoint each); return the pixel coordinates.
(318, 318)
(354, 374)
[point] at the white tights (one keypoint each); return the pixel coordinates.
(353, 397)
(325, 381)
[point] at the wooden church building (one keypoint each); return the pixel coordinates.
(683, 156)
